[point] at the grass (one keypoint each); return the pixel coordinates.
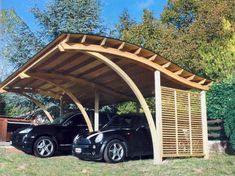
(27, 165)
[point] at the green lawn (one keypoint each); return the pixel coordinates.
(22, 164)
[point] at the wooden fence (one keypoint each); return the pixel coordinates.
(181, 123)
(9, 125)
(216, 130)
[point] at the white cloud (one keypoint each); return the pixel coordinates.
(145, 4)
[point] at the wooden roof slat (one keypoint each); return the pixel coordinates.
(202, 81)
(103, 42)
(121, 46)
(137, 52)
(166, 65)
(56, 60)
(152, 58)
(85, 68)
(190, 78)
(84, 39)
(179, 72)
(66, 61)
(84, 61)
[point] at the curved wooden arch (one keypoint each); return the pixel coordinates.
(41, 106)
(135, 90)
(70, 94)
(136, 58)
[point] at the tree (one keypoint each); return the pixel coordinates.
(20, 43)
(73, 16)
(125, 23)
(208, 29)
(180, 13)
(196, 35)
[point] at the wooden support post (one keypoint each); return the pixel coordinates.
(204, 125)
(96, 115)
(158, 109)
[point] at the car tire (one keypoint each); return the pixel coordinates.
(44, 147)
(115, 151)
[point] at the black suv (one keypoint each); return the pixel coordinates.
(44, 140)
(124, 136)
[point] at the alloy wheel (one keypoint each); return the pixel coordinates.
(45, 147)
(116, 152)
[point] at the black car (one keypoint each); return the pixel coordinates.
(124, 136)
(45, 140)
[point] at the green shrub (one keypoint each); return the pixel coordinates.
(229, 120)
(217, 98)
(221, 105)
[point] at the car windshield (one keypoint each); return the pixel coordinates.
(61, 119)
(118, 122)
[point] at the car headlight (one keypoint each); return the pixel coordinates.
(26, 130)
(99, 138)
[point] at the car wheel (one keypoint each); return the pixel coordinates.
(44, 147)
(115, 151)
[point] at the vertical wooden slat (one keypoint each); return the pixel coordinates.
(190, 124)
(176, 123)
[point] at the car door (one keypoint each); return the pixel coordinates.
(142, 143)
(71, 127)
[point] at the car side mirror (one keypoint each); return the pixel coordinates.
(142, 127)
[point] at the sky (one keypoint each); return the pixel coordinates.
(111, 9)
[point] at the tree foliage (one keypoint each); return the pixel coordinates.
(229, 122)
(73, 16)
(19, 43)
(197, 35)
(217, 98)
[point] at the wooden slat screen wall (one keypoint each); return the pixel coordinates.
(181, 123)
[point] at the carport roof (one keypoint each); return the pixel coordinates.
(66, 62)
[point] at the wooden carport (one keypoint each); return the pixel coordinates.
(93, 71)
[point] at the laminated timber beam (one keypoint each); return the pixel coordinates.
(137, 93)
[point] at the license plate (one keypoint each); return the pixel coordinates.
(78, 150)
